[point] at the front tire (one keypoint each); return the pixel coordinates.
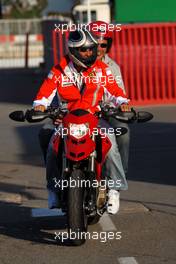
(77, 218)
(92, 220)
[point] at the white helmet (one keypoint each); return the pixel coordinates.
(82, 38)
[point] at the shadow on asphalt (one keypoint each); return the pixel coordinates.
(19, 189)
(20, 86)
(31, 153)
(16, 222)
(152, 153)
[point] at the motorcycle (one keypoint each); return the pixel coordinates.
(82, 148)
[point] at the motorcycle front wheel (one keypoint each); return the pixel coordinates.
(76, 214)
(92, 220)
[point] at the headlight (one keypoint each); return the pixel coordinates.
(78, 130)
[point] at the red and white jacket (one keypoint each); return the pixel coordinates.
(83, 90)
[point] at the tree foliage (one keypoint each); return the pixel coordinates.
(18, 10)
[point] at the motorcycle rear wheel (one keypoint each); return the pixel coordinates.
(76, 215)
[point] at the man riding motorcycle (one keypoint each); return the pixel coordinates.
(74, 80)
(100, 30)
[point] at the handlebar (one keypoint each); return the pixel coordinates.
(106, 112)
(127, 117)
(33, 116)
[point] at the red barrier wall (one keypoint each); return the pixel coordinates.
(146, 54)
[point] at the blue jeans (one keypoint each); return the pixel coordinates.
(113, 168)
(123, 142)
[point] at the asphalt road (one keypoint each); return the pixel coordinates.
(143, 232)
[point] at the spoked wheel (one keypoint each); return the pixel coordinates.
(77, 218)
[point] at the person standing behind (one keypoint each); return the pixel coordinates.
(104, 36)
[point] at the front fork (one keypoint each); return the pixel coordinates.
(99, 194)
(92, 158)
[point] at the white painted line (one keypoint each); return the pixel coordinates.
(106, 223)
(127, 260)
(45, 212)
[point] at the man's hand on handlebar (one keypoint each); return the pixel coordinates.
(125, 108)
(41, 108)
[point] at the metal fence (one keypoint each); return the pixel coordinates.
(146, 54)
(21, 43)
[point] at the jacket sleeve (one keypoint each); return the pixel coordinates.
(48, 89)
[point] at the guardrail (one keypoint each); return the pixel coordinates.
(146, 54)
(21, 43)
(19, 51)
